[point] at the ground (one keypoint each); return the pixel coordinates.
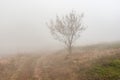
(79, 66)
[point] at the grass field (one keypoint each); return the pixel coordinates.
(95, 62)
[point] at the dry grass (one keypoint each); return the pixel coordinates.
(52, 66)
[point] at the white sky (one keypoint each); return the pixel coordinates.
(23, 28)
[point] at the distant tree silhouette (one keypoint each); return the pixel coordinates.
(67, 29)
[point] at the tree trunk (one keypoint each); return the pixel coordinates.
(70, 50)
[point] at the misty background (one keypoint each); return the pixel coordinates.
(23, 23)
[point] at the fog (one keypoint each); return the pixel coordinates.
(23, 23)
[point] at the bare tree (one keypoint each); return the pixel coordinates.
(67, 29)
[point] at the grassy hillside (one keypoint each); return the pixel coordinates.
(105, 68)
(101, 46)
(97, 62)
